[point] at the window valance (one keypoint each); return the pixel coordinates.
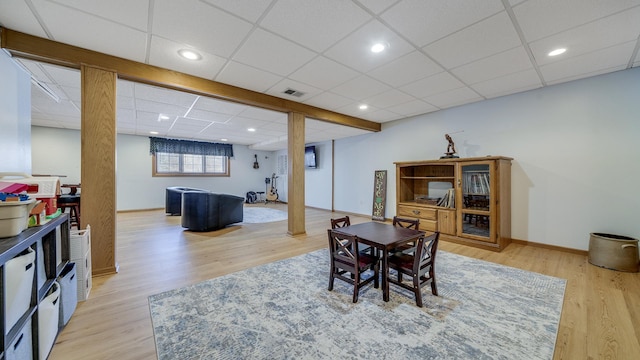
(174, 146)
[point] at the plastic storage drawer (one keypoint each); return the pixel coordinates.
(48, 315)
(19, 273)
(68, 293)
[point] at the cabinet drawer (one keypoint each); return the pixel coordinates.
(428, 225)
(417, 212)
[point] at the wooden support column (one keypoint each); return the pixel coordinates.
(98, 165)
(295, 195)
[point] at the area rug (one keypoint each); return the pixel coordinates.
(283, 310)
(256, 215)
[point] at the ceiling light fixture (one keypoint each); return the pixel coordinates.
(363, 107)
(557, 52)
(189, 54)
(379, 47)
(251, 129)
(224, 139)
(153, 132)
(162, 117)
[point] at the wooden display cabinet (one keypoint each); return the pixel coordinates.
(467, 200)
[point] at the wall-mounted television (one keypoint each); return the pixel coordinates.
(310, 159)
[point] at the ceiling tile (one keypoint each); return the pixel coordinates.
(21, 18)
(453, 97)
(413, 107)
(250, 10)
(176, 20)
(62, 75)
(589, 64)
(272, 53)
(166, 96)
(160, 108)
(360, 88)
(384, 116)
(328, 100)
(208, 116)
(541, 18)
(432, 85)
(510, 61)
(376, 6)
(425, 21)
(316, 24)
(136, 15)
(264, 114)
(247, 77)
(488, 37)
(323, 73)
(355, 50)
(286, 84)
(164, 53)
(509, 84)
(612, 30)
(209, 104)
(388, 98)
(71, 26)
(409, 68)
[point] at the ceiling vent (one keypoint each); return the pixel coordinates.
(293, 92)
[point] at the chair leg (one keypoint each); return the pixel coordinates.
(417, 291)
(355, 288)
(331, 278)
(376, 273)
(434, 287)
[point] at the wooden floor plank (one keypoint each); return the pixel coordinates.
(600, 317)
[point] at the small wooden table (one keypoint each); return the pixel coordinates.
(384, 237)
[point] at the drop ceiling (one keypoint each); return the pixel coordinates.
(440, 54)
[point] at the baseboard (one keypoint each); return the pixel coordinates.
(550, 247)
(138, 210)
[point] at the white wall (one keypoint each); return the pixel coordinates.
(57, 151)
(576, 149)
(15, 117)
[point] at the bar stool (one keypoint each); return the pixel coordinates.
(72, 202)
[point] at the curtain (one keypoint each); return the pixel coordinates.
(174, 146)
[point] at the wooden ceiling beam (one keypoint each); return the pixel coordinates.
(32, 47)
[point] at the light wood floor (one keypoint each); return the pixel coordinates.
(600, 317)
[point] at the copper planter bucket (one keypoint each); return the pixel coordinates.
(615, 252)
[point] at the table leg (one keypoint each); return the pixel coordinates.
(385, 274)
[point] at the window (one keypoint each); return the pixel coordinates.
(168, 164)
(190, 158)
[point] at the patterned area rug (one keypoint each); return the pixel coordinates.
(256, 215)
(283, 310)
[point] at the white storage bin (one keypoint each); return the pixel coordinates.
(68, 293)
(84, 287)
(48, 315)
(41, 274)
(21, 348)
(80, 243)
(14, 217)
(19, 273)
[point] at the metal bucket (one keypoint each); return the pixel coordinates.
(615, 252)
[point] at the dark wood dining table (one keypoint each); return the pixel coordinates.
(384, 237)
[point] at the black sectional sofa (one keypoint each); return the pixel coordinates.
(173, 202)
(203, 210)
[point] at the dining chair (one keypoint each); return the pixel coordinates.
(408, 224)
(340, 222)
(345, 259)
(345, 221)
(419, 265)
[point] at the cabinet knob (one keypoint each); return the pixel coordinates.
(416, 212)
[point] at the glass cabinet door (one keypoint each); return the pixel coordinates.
(475, 213)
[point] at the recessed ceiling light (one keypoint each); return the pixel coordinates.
(557, 52)
(363, 107)
(224, 139)
(153, 132)
(379, 47)
(189, 54)
(251, 129)
(162, 117)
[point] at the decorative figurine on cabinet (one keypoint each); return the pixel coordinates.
(451, 149)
